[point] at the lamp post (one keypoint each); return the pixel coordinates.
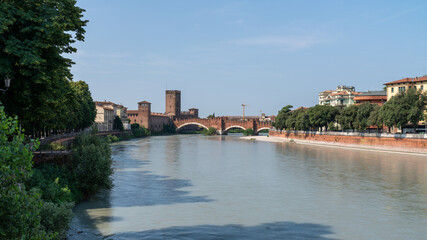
(6, 84)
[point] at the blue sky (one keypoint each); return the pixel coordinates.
(266, 54)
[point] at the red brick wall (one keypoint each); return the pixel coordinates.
(370, 141)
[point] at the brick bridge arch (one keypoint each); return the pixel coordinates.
(222, 124)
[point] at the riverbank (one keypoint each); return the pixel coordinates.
(412, 151)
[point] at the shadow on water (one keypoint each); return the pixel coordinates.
(275, 230)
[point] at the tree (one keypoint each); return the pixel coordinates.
(86, 106)
(405, 108)
(19, 208)
(91, 163)
(363, 113)
(34, 36)
(321, 115)
(282, 116)
(347, 117)
(117, 124)
(375, 119)
(211, 116)
(302, 120)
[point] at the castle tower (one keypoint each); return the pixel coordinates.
(173, 103)
(194, 112)
(144, 112)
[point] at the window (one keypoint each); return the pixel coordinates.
(422, 87)
(392, 90)
(415, 87)
(401, 89)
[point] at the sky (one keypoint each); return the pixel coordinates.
(265, 54)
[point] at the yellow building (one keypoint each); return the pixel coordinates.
(404, 84)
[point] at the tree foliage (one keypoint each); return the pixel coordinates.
(406, 107)
(92, 164)
(35, 35)
(118, 124)
(19, 208)
(321, 115)
(282, 116)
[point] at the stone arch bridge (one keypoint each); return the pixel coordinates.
(223, 124)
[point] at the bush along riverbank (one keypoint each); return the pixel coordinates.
(61, 186)
(36, 203)
(137, 131)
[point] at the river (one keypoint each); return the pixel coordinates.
(222, 187)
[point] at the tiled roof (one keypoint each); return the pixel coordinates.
(408, 80)
(132, 111)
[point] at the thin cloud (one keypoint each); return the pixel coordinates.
(291, 43)
(399, 14)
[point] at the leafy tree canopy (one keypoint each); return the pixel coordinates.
(282, 116)
(34, 36)
(406, 107)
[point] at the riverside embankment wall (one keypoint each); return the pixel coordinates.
(402, 141)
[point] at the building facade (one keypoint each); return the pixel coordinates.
(106, 112)
(395, 87)
(155, 121)
(342, 96)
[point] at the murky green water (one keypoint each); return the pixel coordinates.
(198, 187)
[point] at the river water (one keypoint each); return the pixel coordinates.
(222, 187)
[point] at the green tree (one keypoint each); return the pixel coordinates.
(375, 119)
(19, 208)
(211, 116)
(282, 116)
(302, 120)
(118, 124)
(249, 132)
(92, 164)
(347, 117)
(86, 107)
(363, 113)
(405, 108)
(35, 35)
(321, 115)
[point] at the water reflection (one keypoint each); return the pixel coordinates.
(220, 187)
(276, 230)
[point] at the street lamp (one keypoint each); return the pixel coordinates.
(6, 84)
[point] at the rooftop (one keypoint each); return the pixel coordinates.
(408, 80)
(373, 93)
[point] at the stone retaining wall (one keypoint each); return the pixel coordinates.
(369, 139)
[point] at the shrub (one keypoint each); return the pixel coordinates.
(56, 146)
(91, 164)
(19, 208)
(134, 126)
(56, 217)
(141, 132)
(211, 131)
(112, 138)
(249, 132)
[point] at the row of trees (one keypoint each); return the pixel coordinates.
(405, 108)
(35, 36)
